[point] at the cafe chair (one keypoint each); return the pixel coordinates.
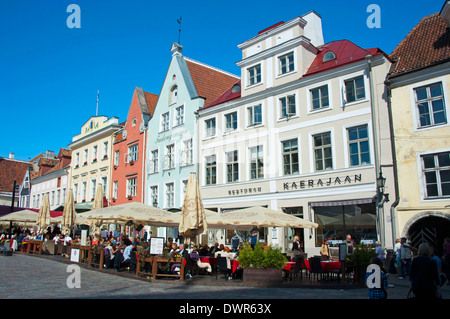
(133, 261)
(191, 267)
(316, 268)
(296, 269)
(222, 266)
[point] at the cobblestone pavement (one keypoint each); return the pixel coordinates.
(24, 276)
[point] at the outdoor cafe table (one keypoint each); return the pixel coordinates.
(84, 252)
(34, 244)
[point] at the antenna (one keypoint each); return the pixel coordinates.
(179, 31)
(98, 94)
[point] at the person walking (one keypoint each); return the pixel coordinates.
(405, 258)
(425, 279)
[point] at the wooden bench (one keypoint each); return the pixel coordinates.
(138, 266)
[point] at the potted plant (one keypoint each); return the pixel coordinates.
(262, 264)
(360, 259)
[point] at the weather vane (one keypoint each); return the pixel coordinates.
(179, 31)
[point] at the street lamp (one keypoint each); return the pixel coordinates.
(381, 182)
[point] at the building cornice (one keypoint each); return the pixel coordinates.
(97, 135)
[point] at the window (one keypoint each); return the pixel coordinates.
(287, 104)
(231, 122)
(165, 121)
(85, 156)
(210, 127)
(133, 122)
(319, 98)
(179, 116)
(286, 63)
(105, 149)
(254, 74)
(94, 153)
(211, 167)
(154, 162)
(93, 188)
(232, 167)
(328, 56)
(183, 190)
(104, 186)
(154, 195)
(75, 192)
(133, 153)
(254, 115)
(83, 191)
(169, 195)
(58, 196)
(116, 158)
(256, 162)
(131, 186)
(430, 105)
(170, 156)
(77, 159)
(354, 89)
(436, 171)
(187, 152)
(173, 95)
(358, 146)
(290, 157)
(322, 151)
(115, 189)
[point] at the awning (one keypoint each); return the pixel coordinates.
(343, 202)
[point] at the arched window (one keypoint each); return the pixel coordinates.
(328, 56)
(173, 98)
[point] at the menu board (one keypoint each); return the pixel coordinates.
(156, 245)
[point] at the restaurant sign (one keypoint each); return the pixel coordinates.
(318, 183)
(301, 184)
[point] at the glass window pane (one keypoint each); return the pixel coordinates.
(432, 190)
(364, 146)
(444, 159)
(430, 177)
(428, 161)
(362, 132)
(436, 90)
(352, 134)
(421, 94)
(354, 160)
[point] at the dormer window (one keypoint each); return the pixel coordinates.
(328, 56)
(235, 88)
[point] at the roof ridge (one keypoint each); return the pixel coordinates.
(211, 67)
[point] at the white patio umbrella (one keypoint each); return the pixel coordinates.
(136, 212)
(98, 204)
(248, 218)
(193, 220)
(43, 220)
(69, 217)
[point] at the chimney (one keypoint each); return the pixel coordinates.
(11, 155)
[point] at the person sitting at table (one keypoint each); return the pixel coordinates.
(204, 251)
(214, 249)
(229, 256)
(174, 250)
(325, 250)
(127, 253)
(183, 252)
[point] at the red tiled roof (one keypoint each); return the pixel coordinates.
(10, 171)
(209, 82)
(151, 100)
(345, 51)
(228, 95)
(428, 43)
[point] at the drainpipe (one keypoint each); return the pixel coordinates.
(375, 141)
(394, 160)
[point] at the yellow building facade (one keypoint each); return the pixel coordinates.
(92, 159)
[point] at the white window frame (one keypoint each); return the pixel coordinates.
(279, 57)
(415, 111)
(207, 133)
(95, 153)
(133, 151)
(313, 148)
(207, 160)
(225, 128)
(247, 73)
(169, 197)
(251, 124)
(234, 163)
(165, 122)
(342, 81)
(279, 106)
(115, 189)
(169, 157)
(259, 148)
(154, 161)
(187, 157)
(346, 142)
(93, 188)
(105, 149)
(421, 175)
(132, 186)
(179, 115)
(154, 194)
(116, 158)
(282, 173)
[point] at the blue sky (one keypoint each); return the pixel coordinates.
(50, 74)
